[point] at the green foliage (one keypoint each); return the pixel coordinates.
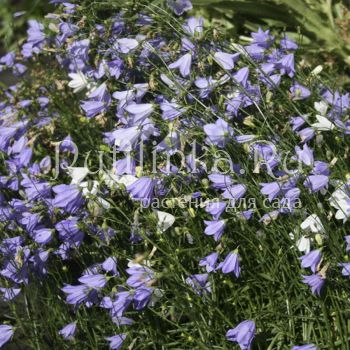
(323, 23)
(13, 27)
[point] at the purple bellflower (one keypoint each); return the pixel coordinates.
(199, 283)
(305, 347)
(346, 269)
(6, 334)
(194, 26)
(180, 6)
(142, 297)
(68, 198)
(315, 282)
(215, 228)
(243, 334)
(219, 133)
(305, 155)
(226, 60)
(347, 239)
(68, 331)
(230, 264)
(209, 262)
(215, 209)
(142, 189)
(299, 92)
(316, 182)
(139, 276)
(262, 38)
(116, 341)
(288, 44)
(271, 189)
(183, 64)
(311, 260)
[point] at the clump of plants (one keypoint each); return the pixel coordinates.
(164, 188)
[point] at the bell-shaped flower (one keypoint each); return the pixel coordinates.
(183, 64)
(311, 260)
(68, 331)
(243, 334)
(125, 45)
(226, 60)
(230, 264)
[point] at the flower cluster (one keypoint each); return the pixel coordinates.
(145, 87)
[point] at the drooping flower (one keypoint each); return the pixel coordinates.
(35, 40)
(209, 262)
(125, 45)
(77, 174)
(226, 60)
(78, 294)
(220, 181)
(99, 100)
(286, 65)
(215, 228)
(316, 182)
(262, 38)
(304, 244)
(180, 6)
(241, 76)
(321, 168)
(68, 331)
(347, 238)
(124, 138)
(346, 269)
(116, 341)
(219, 133)
(142, 189)
(271, 189)
(95, 281)
(305, 155)
(299, 92)
(311, 260)
(9, 293)
(171, 110)
(199, 283)
(340, 200)
(183, 64)
(235, 192)
(315, 282)
(298, 122)
(231, 264)
(68, 198)
(243, 334)
(139, 111)
(6, 334)
(288, 44)
(305, 347)
(194, 26)
(8, 60)
(306, 134)
(68, 145)
(42, 235)
(215, 209)
(110, 265)
(139, 276)
(142, 297)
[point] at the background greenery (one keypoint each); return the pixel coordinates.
(321, 27)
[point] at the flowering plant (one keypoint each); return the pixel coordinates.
(165, 187)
